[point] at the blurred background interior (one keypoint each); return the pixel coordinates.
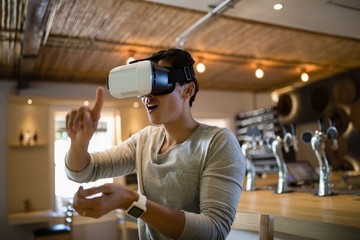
(266, 69)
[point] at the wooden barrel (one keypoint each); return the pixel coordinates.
(340, 117)
(345, 91)
(355, 114)
(319, 99)
(285, 105)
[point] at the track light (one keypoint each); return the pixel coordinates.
(259, 73)
(135, 104)
(131, 56)
(130, 59)
(200, 67)
(304, 77)
(278, 6)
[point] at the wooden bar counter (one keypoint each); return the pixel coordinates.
(302, 215)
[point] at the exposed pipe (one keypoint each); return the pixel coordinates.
(50, 21)
(219, 9)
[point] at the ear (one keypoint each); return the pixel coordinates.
(189, 90)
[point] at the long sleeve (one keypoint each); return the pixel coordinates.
(202, 177)
(220, 188)
(117, 161)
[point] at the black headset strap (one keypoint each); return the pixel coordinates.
(184, 74)
(153, 58)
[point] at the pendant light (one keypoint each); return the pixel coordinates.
(200, 67)
(304, 77)
(259, 73)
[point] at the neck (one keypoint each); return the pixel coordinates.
(176, 133)
(179, 132)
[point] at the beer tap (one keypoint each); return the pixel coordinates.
(290, 139)
(277, 145)
(318, 145)
(332, 134)
(250, 168)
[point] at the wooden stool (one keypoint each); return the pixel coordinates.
(251, 221)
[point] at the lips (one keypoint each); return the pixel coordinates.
(151, 106)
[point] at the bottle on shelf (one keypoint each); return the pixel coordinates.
(27, 137)
(35, 137)
(21, 137)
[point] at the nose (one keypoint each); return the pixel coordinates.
(146, 98)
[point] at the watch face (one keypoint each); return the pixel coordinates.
(135, 212)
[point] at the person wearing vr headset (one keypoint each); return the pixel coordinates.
(190, 175)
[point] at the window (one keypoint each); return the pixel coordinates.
(102, 139)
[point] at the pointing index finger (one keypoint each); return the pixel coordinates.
(99, 101)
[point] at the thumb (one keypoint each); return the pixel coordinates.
(99, 101)
(80, 191)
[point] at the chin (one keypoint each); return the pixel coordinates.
(154, 121)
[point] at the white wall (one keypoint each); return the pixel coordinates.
(7, 232)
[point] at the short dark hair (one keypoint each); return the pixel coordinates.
(177, 58)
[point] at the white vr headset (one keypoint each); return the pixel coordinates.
(146, 77)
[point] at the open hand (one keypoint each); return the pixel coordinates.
(96, 202)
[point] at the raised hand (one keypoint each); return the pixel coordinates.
(81, 123)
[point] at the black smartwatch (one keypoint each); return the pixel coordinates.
(137, 208)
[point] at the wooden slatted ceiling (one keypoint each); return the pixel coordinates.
(88, 38)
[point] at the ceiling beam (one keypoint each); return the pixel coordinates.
(36, 23)
(35, 26)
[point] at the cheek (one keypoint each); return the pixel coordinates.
(175, 101)
(171, 106)
(171, 102)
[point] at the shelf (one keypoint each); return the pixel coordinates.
(31, 217)
(32, 146)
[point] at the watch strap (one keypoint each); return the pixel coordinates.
(138, 207)
(142, 201)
